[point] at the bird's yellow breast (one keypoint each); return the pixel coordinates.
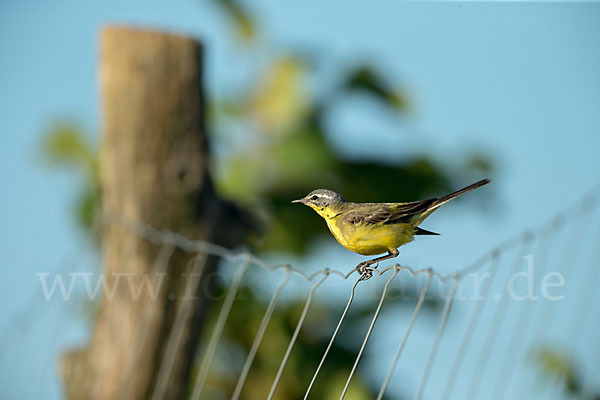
(370, 239)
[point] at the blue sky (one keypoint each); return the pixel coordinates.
(517, 81)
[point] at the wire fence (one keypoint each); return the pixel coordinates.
(527, 324)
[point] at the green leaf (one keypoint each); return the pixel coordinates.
(366, 79)
(66, 145)
(244, 25)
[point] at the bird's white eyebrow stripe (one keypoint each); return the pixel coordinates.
(326, 195)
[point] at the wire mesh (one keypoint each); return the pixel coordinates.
(488, 356)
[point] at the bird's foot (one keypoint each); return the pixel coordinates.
(365, 270)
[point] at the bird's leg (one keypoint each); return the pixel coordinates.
(364, 268)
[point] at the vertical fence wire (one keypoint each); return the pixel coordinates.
(337, 328)
(586, 301)
(295, 335)
(411, 323)
(471, 327)
(438, 338)
(53, 334)
(218, 329)
(259, 335)
(183, 314)
(160, 265)
(492, 332)
(548, 311)
(368, 334)
(523, 323)
(578, 321)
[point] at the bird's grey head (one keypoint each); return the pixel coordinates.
(320, 198)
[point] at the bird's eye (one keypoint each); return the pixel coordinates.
(314, 198)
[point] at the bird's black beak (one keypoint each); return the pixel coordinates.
(301, 201)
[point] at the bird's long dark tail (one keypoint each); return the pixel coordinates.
(458, 193)
(421, 231)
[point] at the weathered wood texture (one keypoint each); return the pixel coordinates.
(154, 161)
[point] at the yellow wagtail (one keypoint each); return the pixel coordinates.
(375, 228)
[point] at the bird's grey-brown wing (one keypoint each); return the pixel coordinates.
(392, 213)
(387, 213)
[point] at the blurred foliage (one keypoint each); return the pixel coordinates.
(242, 22)
(285, 153)
(559, 366)
(274, 145)
(367, 80)
(64, 145)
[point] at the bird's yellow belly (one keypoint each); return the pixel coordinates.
(371, 239)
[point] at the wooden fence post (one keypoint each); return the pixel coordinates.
(154, 160)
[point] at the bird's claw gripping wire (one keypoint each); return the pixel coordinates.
(365, 270)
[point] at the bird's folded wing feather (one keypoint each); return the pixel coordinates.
(387, 213)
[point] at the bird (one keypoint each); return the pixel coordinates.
(376, 228)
